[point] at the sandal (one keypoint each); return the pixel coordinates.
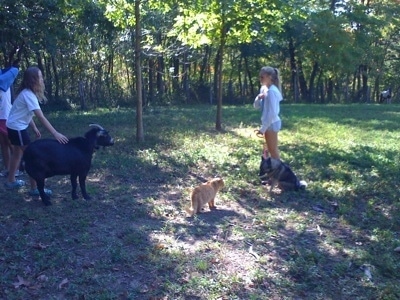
(14, 185)
(35, 192)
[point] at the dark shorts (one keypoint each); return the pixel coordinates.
(18, 137)
(3, 127)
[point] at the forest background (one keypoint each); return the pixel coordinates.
(335, 240)
(108, 53)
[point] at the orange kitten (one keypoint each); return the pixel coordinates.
(204, 193)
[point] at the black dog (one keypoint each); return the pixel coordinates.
(279, 173)
(47, 157)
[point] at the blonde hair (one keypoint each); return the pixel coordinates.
(31, 80)
(274, 74)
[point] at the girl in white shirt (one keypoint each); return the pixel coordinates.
(25, 106)
(268, 102)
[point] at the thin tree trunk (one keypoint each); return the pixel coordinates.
(138, 71)
(56, 79)
(248, 77)
(304, 91)
(151, 82)
(293, 68)
(219, 64)
(312, 93)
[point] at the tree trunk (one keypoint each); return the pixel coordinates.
(185, 77)
(49, 78)
(160, 71)
(365, 89)
(138, 73)
(219, 65)
(305, 93)
(293, 68)
(56, 79)
(175, 79)
(248, 76)
(329, 90)
(151, 96)
(312, 93)
(204, 64)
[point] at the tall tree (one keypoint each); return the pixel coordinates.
(221, 23)
(127, 15)
(138, 65)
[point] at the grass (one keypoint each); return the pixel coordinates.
(336, 240)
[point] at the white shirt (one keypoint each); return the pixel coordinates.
(5, 104)
(21, 112)
(258, 103)
(270, 109)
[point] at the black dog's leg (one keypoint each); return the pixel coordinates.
(74, 185)
(40, 186)
(82, 180)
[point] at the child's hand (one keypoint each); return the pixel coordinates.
(37, 133)
(62, 139)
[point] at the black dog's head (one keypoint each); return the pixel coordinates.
(102, 136)
(104, 139)
(267, 166)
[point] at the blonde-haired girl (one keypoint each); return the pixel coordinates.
(25, 106)
(268, 102)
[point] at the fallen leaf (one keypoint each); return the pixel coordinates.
(21, 282)
(215, 260)
(318, 208)
(35, 287)
(27, 270)
(88, 265)
(40, 246)
(63, 283)
(42, 278)
(159, 246)
(29, 221)
(319, 230)
(124, 295)
(397, 249)
(144, 289)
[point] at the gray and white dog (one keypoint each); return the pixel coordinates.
(280, 174)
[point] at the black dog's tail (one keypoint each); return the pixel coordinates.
(302, 185)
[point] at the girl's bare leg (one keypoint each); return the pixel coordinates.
(15, 160)
(271, 138)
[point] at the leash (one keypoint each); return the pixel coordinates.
(258, 134)
(265, 148)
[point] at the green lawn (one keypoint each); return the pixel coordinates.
(335, 240)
